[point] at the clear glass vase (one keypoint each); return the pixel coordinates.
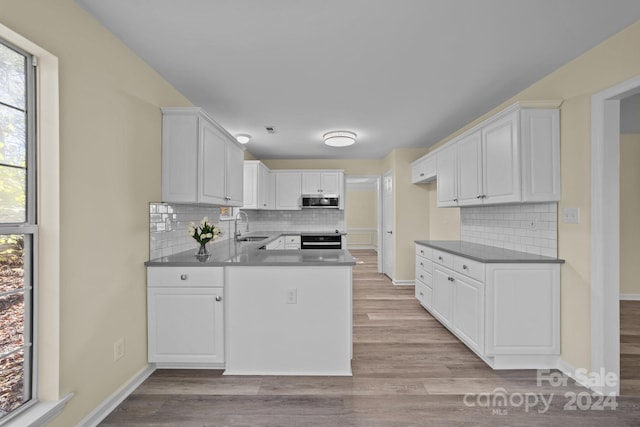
(203, 252)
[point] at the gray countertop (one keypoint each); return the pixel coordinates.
(231, 253)
(487, 254)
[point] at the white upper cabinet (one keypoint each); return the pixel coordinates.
(258, 192)
(322, 183)
(469, 170)
(447, 176)
(288, 190)
(201, 162)
(423, 170)
(514, 157)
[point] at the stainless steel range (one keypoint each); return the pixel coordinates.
(321, 241)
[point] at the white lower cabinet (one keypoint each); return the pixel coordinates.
(507, 313)
(185, 310)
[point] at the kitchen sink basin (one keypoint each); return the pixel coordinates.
(251, 238)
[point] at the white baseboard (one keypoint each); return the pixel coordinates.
(629, 297)
(362, 247)
(110, 403)
(403, 282)
(569, 370)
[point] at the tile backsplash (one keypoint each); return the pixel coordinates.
(304, 220)
(168, 224)
(531, 228)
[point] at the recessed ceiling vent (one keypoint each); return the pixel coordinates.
(270, 129)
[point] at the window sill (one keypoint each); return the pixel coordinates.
(39, 414)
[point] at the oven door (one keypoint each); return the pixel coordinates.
(313, 241)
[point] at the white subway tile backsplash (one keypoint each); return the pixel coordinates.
(511, 227)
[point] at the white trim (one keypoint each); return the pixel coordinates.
(403, 282)
(111, 402)
(605, 228)
(39, 414)
(629, 297)
(569, 370)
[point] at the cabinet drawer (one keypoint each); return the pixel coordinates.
(424, 251)
(423, 294)
(424, 276)
(443, 258)
(468, 267)
(187, 276)
(424, 264)
(292, 240)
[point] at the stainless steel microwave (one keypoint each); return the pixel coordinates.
(320, 201)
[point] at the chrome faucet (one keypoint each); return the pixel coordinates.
(236, 233)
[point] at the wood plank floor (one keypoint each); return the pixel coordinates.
(630, 348)
(407, 371)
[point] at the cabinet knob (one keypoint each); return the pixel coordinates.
(422, 174)
(421, 276)
(422, 252)
(478, 197)
(450, 279)
(440, 258)
(421, 264)
(421, 294)
(183, 277)
(218, 298)
(464, 267)
(455, 200)
(484, 196)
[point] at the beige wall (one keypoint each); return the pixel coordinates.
(609, 63)
(362, 218)
(629, 214)
(350, 166)
(110, 145)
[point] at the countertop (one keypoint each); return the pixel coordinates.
(487, 254)
(232, 253)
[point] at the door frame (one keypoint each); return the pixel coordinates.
(605, 230)
(383, 217)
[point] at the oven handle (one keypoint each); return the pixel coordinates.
(320, 243)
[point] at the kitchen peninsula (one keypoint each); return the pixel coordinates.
(252, 311)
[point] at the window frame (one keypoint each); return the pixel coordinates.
(29, 229)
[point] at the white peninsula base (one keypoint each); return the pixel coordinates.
(288, 320)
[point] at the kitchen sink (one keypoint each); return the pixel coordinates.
(252, 238)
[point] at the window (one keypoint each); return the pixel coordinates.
(18, 232)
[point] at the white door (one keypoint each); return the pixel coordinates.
(387, 224)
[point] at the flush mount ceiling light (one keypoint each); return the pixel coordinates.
(339, 138)
(243, 138)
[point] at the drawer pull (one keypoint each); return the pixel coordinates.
(218, 298)
(183, 277)
(422, 252)
(450, 278)
(421, 294)
(422, 277)
(421, 264)
(440, 258)
(422, 174)
(464, 267)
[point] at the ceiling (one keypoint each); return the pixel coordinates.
(399, 73)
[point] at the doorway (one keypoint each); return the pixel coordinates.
(605, 230)
(387, 225)
(363, 214)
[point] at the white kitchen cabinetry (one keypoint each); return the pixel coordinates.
(507, 313)
(185, 316)
(276, 244)
(447, 176)
(201, 162)
(322, 182)
(258, 192)
(513, 157)
(292, 242)
(424, 169)
(288, 190)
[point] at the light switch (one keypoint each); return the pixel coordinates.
(571, 215)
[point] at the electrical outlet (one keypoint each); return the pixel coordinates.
(292, 296)
(118, 349)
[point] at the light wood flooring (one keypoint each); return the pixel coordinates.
(408, 370)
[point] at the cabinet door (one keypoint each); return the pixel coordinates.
(501, 160)
(311, 183)
(468, 312)
(288, 190)
(185, 325)
(265, 201)
(212, 165)
(470, 170)
(442, 294)
(179, 158)
(447, 191)
(234, 174)
(424, 170)
(250, 186)
(330, 183)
